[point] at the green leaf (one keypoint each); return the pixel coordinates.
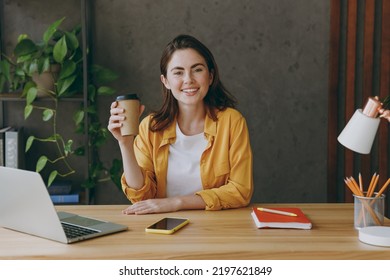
(33, 67)
(67, 69)
(91, 93)
(103, 75)
(64, 84)
(29, 143)
(25, 47)
(72, 41)
(60, 50)
(22, 37)
(91, 109)
(27, 111)
(31, 95)
(52, 177)
(104, 90)
(5, 69)
(27, 87)
(80, 128)
(43, 65)
(24, 58)
(47, 114)
(78, 117)
(19, 72)
(68, 147)
(51, 30)
(41, 163)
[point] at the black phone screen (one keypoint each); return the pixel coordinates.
(167, 223)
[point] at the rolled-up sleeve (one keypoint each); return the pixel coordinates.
(143, 153)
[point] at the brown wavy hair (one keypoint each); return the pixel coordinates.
(217, 98)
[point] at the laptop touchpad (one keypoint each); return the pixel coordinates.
(81, 221)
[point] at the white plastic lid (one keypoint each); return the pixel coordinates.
(376, 235)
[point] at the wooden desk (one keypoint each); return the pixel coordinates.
(228, 234)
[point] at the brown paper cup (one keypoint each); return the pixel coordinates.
(131, 104)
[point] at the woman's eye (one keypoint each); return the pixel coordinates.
(177, 73)
(198, 69)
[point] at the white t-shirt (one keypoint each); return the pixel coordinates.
(183, 175)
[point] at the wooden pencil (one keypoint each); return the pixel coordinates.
(361, 182)
(383, 188)
(351, 186)
(371, 183)
(369, 194)
(355, 190)
(354, 183)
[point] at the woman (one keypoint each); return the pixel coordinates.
(194, 153)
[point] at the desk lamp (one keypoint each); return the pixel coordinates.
(359, 133)
(358, 136)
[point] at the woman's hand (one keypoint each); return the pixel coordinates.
(116, 119)
(385, 114)
(158, 205)
(163, 205)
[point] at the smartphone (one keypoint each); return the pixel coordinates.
(167, 225)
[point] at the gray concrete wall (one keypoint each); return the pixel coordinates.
(272, 55)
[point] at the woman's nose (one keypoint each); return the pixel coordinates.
(188, 78)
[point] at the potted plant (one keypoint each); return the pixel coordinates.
(61, 50)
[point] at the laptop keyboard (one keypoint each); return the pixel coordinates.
(73, 231)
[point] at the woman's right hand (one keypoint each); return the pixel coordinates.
(385, 114)
(116, 119)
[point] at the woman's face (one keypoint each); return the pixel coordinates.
(188, 77)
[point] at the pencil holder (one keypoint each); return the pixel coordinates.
(369, 211)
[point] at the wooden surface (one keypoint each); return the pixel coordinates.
(228, 234)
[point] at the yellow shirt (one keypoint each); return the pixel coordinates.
(226, 165)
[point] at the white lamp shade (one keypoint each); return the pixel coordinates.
(359, 133)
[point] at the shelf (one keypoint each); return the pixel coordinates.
(7, 98)
(16, 96)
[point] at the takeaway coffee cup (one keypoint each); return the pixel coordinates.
(131, 104)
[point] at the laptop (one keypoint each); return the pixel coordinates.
(26, 206)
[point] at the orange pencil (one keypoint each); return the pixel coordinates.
(383, 188)
(351, 186)
(360, 193)
(369, 194)
(371, 183)
(360, 182)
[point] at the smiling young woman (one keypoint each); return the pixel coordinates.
(193, 153)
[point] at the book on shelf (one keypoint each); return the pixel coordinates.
(290, 217)
(14, 148)
(61, 192)
(71, 198)
(2, 144)
(60, 187)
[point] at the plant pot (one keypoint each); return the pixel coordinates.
(45, 81)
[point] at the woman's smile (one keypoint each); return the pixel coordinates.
(190, 91)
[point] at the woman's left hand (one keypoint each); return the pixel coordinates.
(385, 114)
(163, 205)
(157, 205)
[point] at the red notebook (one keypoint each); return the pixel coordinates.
(271, 220)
